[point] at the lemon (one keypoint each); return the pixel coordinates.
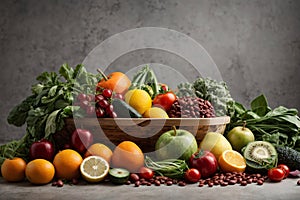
(155, 112)
(232, 161)
(94, 169)
(139, 99)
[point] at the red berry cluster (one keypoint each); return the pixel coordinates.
(99, 104)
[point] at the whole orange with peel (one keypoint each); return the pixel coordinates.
(39, 171)
(116, 81)
(128, 155)
(101, 150)
(67, 164)
(13, 170)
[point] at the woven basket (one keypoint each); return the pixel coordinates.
(142, 131)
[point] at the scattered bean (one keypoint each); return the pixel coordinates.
(298, 182)
(134, 177)
(137, 183)
(60, 183)
(169, 183)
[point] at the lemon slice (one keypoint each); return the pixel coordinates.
(232, 161)
(94, 169)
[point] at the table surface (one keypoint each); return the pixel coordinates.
(286, 189)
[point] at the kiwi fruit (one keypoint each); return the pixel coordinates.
(260, 156)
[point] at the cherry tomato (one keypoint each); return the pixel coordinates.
(276, 174)
(164, 100)
(285, 169)
(146, 173)
(192, 175)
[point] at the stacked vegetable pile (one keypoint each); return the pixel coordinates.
(260, 143)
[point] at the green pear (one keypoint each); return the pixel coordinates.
(216, 143)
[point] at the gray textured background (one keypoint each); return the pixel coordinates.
(255, 44)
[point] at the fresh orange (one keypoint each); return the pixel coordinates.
(101, 150)
(129, 156)
(39, 171)
(67, 163)
(13, 170)
(232, 161)
(116, 81)
(139, 99)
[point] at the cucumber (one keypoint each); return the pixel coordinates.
(118, 175)
(289, 157)
(123, 110)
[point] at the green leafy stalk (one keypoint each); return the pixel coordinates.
(51, 102)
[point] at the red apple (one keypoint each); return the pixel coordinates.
(43, 149)
(81, 139)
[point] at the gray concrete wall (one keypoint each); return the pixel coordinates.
(255, 44)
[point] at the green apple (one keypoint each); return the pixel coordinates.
(239, 137)
(176, 144)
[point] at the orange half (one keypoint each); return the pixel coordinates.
(232, 161)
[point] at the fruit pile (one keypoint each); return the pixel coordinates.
(233, 158)
(143, 97)
(179, 161)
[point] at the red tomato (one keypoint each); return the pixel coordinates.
(276, 174)
(285, 169)
(164, 100)
(192, 175)
(205, 162)
(146, 173)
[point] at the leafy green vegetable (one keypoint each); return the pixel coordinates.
(50, 103)
(215, 92)
(145, 79)
(280, 126)
(173, 168)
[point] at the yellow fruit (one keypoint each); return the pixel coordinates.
(94, 169)
(67, 163)
(39, 171)
(101, 150)
(232, 161)
(216, 143)
(139, 99)
(13, 170)
(129, 156)
(155, 112)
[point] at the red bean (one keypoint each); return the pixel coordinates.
(134, 177)
(137, 183)
(60, 183)
(298, 182)
(260, 182)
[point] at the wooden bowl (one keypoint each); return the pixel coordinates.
(142, 131)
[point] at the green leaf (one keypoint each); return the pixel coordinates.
(260, 105)
(52, 91)
(66, 72)
(51, 123)
(18, 115)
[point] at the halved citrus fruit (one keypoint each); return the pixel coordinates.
(232, 161)
(94, 169)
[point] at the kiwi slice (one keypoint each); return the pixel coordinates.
(118, 175)
(260, 156)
